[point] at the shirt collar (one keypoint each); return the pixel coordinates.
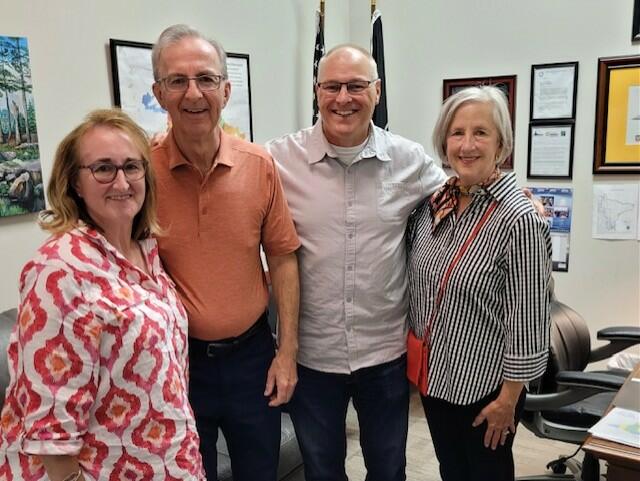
(502, 187)
(319, 147)
(148, 245)
(176, 159)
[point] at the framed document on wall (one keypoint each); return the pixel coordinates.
(553, 91)
(550, 151)
(617, 126)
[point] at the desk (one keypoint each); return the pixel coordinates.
(623, 461)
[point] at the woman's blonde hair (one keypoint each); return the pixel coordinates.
(66, 208)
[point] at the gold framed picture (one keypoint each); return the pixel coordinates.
(617, 128)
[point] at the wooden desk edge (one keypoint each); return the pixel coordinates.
(611, 451)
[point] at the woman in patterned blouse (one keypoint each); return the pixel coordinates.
(98, 357)
(479, 266)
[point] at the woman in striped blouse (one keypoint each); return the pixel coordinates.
(479, 268)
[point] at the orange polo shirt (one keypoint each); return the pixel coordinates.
(213, 227)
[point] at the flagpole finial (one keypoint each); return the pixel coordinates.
(322, 7)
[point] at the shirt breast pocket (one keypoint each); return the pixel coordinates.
(394, 201)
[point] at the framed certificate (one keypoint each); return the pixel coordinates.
(553, 91)
(550, 151)
(617, 129)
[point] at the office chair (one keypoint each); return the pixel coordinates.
(567, 400)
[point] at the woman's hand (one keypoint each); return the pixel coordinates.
(499, 415)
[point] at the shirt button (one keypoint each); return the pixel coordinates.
(349, 203)
(349, 299)
(349, 268)
(204, 211)
(350, 236)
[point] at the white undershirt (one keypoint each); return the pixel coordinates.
(346, 155)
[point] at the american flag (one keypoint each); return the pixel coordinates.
(318, 52)
(377, 51)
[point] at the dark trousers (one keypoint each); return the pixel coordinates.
(381, 398)
(460, 447)
(226, 390)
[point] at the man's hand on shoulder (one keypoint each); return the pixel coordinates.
(537, 204)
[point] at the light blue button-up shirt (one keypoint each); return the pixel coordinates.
(351, 223)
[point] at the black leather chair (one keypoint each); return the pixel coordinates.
(289, 469)
(568, 400)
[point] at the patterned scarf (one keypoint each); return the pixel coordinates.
(445, 199)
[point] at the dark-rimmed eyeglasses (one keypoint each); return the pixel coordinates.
(353, 86)
(180, 83)
(106, 172)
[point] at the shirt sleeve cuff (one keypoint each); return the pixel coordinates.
(53, 448)
(523, 369)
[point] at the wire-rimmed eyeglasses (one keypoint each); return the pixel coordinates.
(180, 83)
(353, 86)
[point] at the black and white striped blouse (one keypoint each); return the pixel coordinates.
(492, 323)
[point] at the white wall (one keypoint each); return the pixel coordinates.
(425, 41)
(68, 44)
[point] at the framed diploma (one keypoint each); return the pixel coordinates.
(550, 151)
(553, 91)
(506, 83)
(617, 128)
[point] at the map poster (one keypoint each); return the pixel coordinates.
(132, 85)
(236, 116)
(615, 211)
(557, 204)
(132, 74)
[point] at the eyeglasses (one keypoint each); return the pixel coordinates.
(180, 83)
(106, 172)
(353, 86)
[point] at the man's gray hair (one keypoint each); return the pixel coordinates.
(174, 34)
(501, 118)
(346, 46)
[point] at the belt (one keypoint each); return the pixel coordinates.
(222, 347)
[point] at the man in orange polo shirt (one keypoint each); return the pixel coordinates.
(219, 199)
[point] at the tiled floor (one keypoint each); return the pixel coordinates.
(531, 454)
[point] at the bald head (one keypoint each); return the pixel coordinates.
(350, 54)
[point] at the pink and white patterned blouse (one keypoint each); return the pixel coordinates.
(98, 366)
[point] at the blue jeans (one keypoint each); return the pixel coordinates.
(319, 407)
(227, 392)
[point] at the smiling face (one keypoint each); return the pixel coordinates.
(111, 206)
(345, 116)
(194, 114)
(473, 142)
